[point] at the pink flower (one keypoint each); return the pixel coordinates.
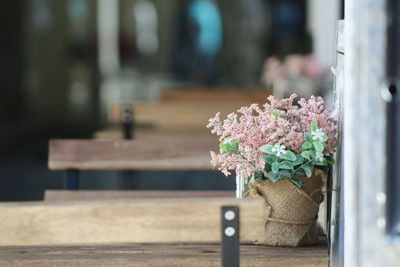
(276, 122)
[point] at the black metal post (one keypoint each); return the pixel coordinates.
(329, 188)
(230, 236)
(127, 121)
(391, 97)
(128, 131)
(71, 179)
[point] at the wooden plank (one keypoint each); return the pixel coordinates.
(125, 221)
(365, 119)
(84, 195)
(215, 95)
(68, 195)
(170, 115)
(160, 154)
(169, 255)
(340, 36)
(154, 133)
(337, 206)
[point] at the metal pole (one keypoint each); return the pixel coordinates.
(71, 179)
(230, 236)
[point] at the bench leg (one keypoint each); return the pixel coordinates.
(127, 128)
(71, 179)
(128, 123)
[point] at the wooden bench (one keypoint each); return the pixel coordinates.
(115, 133)
(186, 115)
(215, 95)
(171, 255)
(139, 232)
(68, 195)
(142, 220)
(160, 154)
(179, 109)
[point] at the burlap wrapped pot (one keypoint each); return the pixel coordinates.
(290, 212)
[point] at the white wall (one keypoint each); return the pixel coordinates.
(322, 17)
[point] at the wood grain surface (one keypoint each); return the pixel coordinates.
(156, 220)
(168, 255)
(178, 115)
(215, 95)
(67, 195)
(116, 133)
(160, 154)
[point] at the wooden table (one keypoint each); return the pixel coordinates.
(160, 154)
(137, 232)
(178, 115)
(214, 95)
(82, 195)
(140, 220)
(154, 133)
(168, 255)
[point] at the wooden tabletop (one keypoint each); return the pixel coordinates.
(168, 255)
(214, 95)
(160, 154)
(140, 220)
(82, 195)
(192, 114)
(116, 133)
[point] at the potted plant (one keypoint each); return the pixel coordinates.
(281, 152)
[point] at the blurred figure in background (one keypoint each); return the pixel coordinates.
(199, 42)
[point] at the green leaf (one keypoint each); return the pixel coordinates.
(296, 181)
(300, 171)
(267, 167)
(305, 154)
(223, 147)
(308, 168)
(313, 126)
(273, 176)
(269, 159)
(306, 145)
(267, 149)
(330, 159)
(284, 174)
(308, 137)
(324, 162)
(229, 147)
(233, 145)
(319, 147)
(287, 165)
(275, 113)
(275, 167)
(258, 176)
(289, 155)
(299, 160)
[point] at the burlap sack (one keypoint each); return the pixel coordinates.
(290, 212)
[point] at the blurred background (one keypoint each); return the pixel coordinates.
(64, 63)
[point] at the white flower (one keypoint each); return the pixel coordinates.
(319, 156)
(279, 150)
(318, 135)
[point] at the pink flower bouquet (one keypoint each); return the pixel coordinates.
(276, 141)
